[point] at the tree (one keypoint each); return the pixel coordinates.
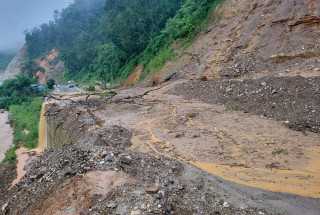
(50, 83)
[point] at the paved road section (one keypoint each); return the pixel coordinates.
(66, 88)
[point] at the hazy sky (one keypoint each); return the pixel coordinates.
(19, 15)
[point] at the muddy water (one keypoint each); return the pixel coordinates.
(5, 135)
(22, 157)
(43, 135)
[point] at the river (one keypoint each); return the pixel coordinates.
(6, 136)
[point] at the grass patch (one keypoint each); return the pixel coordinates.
(280, 151)
(231, 108)
(156, 63)
(10, 155)
(26, 118)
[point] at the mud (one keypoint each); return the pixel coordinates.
(168, 154)
(22, 157)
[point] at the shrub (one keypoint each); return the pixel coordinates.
(91, 88)
(50, 83)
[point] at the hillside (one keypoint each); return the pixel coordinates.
(224, 117)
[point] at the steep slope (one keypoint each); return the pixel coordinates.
(52, 70)
(15, 65)
(256, 37)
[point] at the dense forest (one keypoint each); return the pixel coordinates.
(106, 39)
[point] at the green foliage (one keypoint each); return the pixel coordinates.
(16, 91)
(5, 59)
(26, 118)
(108, 63)
(91, 88)
(50, 83)
(231, 108)
(158, 61)
(280, 151)
(107, 45)
(30, 68)
(10, 155)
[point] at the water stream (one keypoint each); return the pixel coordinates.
(43, 136)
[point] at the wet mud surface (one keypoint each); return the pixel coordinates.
(146, 151)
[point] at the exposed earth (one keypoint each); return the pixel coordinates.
(231, 126)
(147, 151)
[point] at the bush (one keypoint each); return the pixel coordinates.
(10, 155)
(50, 83)
(91, 88)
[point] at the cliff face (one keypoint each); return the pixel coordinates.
(14, 66)
(255, 37)
(52, 70)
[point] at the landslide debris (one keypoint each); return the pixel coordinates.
(293, 100)
(67, 180)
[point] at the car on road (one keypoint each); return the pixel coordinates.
(70, 84)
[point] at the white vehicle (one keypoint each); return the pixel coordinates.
(71, 84)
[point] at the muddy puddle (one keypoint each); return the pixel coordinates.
(5, 135)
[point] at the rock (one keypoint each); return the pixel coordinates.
(43, 169)
(3, 208)
(125, 160)
(264, 84)
(143, 162)
(101, 162)
(261, 213)
(152, 190)
(143, 207)
(135, 211)
(112, 205)
(121, 209)
(225, 205)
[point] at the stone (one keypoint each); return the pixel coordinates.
(112, 205)
(143, 163)
(135, 211)
(264, 84)
(121, 209)
(143, 207)
(3, 208)
(152, 190)
(125, 160)
(225, 205)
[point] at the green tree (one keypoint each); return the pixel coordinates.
(50, 83)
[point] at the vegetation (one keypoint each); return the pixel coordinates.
(91, 88)
(16, 91)
(231, 108)
(26, 120)
(50, 83)
(10, 155)
(280, 151)
(105, 39)
(31, 68)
